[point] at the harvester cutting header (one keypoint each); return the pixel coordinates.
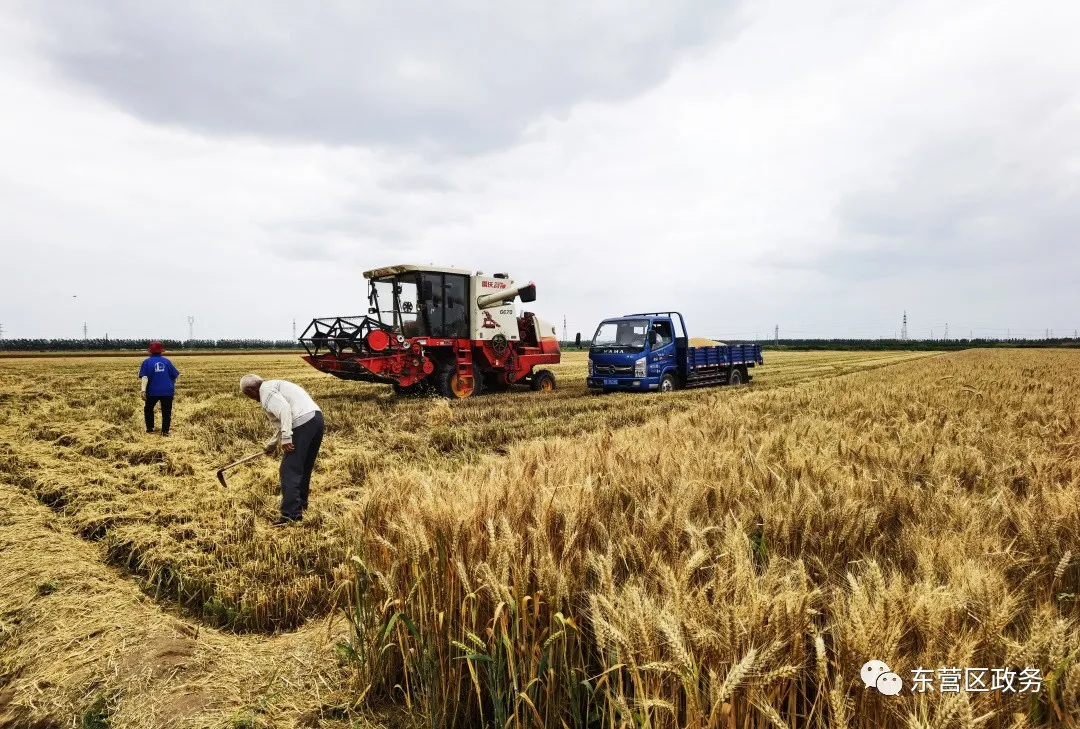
(437, 329)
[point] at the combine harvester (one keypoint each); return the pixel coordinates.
(441, 330)
(640, 352)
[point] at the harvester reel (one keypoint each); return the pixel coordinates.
(340, 335)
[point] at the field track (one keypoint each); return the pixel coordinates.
(131, 582)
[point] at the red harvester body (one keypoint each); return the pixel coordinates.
(439, 330)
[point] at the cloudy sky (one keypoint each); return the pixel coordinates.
(819, 166)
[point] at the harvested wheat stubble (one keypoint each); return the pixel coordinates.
(696, 546)
(74, 635)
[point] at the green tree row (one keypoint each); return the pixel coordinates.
(100, 345)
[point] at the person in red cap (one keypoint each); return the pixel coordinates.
(158, 377)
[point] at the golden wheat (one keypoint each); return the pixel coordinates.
(701, 559)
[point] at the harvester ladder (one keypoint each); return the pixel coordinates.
(463, 355)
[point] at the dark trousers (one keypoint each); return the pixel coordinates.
(166, 412)
(296, 467)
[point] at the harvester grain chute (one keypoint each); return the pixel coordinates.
(439, 330)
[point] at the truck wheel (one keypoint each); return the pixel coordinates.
(543, 381)
(668, 383)
(735, 377)
(453, 386)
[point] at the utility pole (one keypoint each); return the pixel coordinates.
(903, 329)
(190, 328)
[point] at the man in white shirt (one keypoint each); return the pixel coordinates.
(299, 431)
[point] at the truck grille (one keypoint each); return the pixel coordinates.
(615, 370)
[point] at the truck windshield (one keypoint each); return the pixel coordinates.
(624, 334)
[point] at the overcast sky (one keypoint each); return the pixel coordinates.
(821, 166)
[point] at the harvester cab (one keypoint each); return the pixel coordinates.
(445, 330)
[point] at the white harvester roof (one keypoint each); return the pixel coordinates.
(395, 270)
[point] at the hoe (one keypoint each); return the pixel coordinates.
(221, 471)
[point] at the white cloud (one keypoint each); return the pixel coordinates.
(825, 169)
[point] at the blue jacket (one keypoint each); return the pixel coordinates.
(162, 376)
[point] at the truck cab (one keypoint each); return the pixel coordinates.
(643, 352)
(638, 352)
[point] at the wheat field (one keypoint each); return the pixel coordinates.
(709, 558)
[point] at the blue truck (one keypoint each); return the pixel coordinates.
(641, 352)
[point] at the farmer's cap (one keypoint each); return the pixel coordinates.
(156, 348)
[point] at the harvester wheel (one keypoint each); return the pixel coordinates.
(453, 386)
(543, 381)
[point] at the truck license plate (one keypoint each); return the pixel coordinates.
(611, 382)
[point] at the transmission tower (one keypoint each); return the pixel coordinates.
(776, 334)
(903, 329)
(565, 336)
(191, 327)
(946, 330)
(84, 331)
(294, 329)
(1, 331)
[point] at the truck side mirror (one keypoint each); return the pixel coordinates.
(527, 293)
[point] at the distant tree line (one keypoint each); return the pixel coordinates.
(115, 345)
(936, 345)
(176, 345)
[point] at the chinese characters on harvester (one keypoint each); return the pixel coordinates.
(877, 674)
